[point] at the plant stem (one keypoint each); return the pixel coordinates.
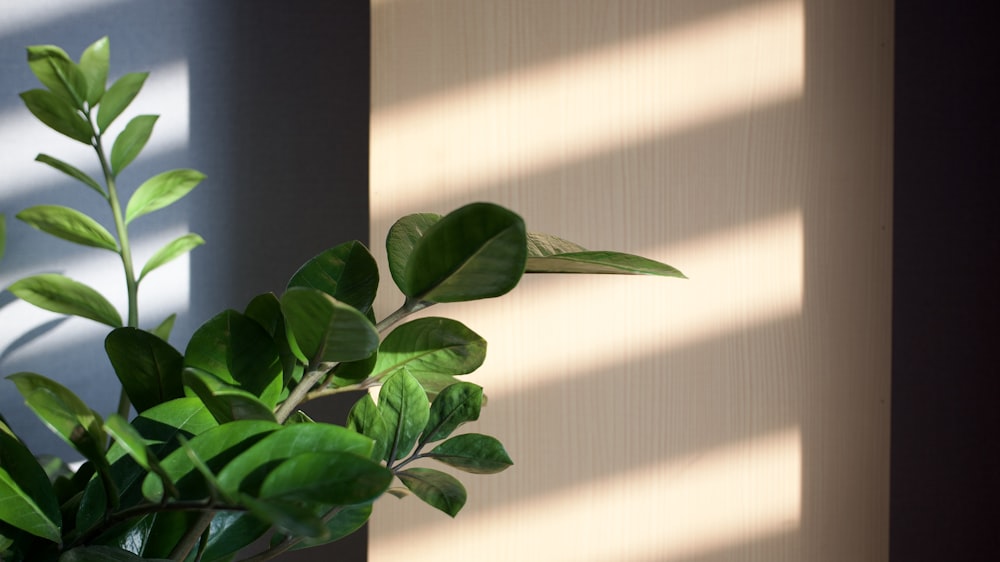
(408, 308)
(192, 536)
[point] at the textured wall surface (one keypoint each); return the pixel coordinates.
(742, 414)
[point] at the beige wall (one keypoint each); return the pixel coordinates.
(742, 414)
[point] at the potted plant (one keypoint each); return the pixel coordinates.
(217, 453)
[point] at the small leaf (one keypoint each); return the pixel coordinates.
(163, 330)
(551, 254)
(330, 479)
(475, 252)
(227, 403)
(160, 191)
(60, 294)
(403, 236)
(323, 329)
(174, 249)
(71, 171)
(53, 68)
(404, 407)
(430, 346)
(58, 114)
(472, 452)
(118, 97)
(69, 224)
(440, 490)
(366, 419)
(286, 516)
(455, 405)
(94, 66)
(148, 367)
(347, 272)
(136, 446)
(130, 142)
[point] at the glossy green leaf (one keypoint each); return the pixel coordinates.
(330, 479)
(472, 452)
(27, 500)
(148, 367)
(347, 272)
(265, 309)
(399, 242)
(230, 531)
(58, 114)
(57, 72)
(57, 293)
(475, 252)
(551, 254)
(129, 438)
(287, 516)
(323, 329)
(163, 329)
(345, 522)
(455, 405)
(405, 409)
(227, 403)
(440, 490)
(118, 97)
(130, 143)
(173, 250)
(430, 346)
(71, 171)
(247, 471)
(216, 446)
(94, 66)
(69, 224)
(240, 352)
(160, 191)
(101, 553)
(366, 418)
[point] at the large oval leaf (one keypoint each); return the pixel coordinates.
(160, 191)
(131, 141)
(227, 403)
(399, 242)
(455, 405)
(173, 250)
(148, 367)
(61, 294)
(27, 500)
(345, 522)
(329, 479)
(58, 114)
(428, 347)
(323, 329)
(69, 224)
(551, 254)
(403, 405)
(94, 66)
(475, 252)
(118, 97)
(472, 452)
(347, 272)
(440, 490)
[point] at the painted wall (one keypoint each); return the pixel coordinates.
(742, 414)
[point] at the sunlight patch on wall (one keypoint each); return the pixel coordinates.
(582, 105)
(680, 509)
(166, 93)
(20, 15)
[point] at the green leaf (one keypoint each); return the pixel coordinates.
(347, 272)
(118, 97)
(345, 522)
(472, 452)
(58, 114)
(551, 254)
(216, 447)
(27, 500)
(402, 237)
(227, 403)
(104, 554)
(72, 172)
(60, 294)
(94, 66)
(286, 516)
(136, 446)
(160, 191)
(163, 329)
(430, 346)
(330, 479)
(69, 224)
(366, 419)
(323, 329)
(130, 143)
(230, 531)
(148, 367)
(405, 409)
(176, 248)
(247, 471)
(455, 405)
(57, 72)
(475, 252)
(440, 490)
(239, 352)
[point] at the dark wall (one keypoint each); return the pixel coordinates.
(945, 499)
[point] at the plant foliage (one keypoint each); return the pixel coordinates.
(218, 453)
